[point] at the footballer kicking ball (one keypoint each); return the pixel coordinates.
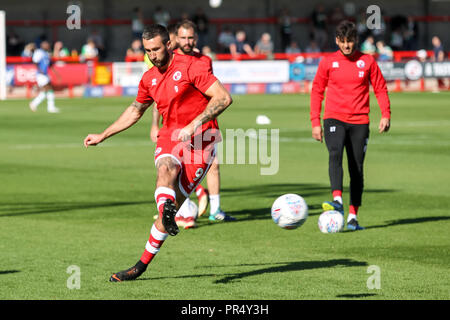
(289, 211)
(331, 221)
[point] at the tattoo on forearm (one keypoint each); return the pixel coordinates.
(141, 107)
(213, 110)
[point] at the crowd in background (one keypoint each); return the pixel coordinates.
(401, 33)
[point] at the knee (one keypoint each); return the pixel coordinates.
(214, 168)
(335, 154)
(167, 168)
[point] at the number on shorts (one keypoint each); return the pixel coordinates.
(198, 174)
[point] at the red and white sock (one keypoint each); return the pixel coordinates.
(337, 196)
(199, 190)
(153, 245)
(161, 195)
(352, 212)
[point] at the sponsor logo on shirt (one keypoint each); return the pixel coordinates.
(177, 76)
(154, 82)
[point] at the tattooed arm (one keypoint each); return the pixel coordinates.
(220, 100)
(129, 117)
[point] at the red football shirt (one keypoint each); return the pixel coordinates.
(178, 92)
(204, 58)
(347, 82)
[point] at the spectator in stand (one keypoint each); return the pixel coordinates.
(285, 23)
(438, 56)
(206, 50)
(422, 55)
(202, 22)
(319, 26)
(161, 16)
(240, 45)
(226, 38)
(14, 44)
(312, 48)
(28, 50)
(361, 25)
(385, 52)
(59, 51)
(89, 50)
(411, 34)
(135, 52)
(368, 46)
(293, 47)
(137, 23)
(98, 42)
(337, 15)
(265, 45)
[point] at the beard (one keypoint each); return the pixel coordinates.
(187, 49)
(164, 60)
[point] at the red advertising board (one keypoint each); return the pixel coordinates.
(24, 73)
(69, 74)
(60, 75)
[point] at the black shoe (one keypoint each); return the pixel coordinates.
(354, 225)
(168, 218)
(129, 274)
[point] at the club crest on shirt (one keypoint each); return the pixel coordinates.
(177, 76)
(335, 64)
(360, 64)
(158, 150)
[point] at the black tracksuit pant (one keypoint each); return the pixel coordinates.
(353, 137)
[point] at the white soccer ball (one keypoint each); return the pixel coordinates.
(188, 209)
(331, 221)
(289, 211)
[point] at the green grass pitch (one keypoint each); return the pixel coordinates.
(62, 205)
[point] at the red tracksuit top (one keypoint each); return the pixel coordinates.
(347, 80)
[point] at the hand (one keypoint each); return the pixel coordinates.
(384, 125)
(317, 133)
(154, 133)
(93, 140)
(186, 133)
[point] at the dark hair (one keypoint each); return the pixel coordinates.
(172, 28)
(155, 30)
(346, 30)
(187, 24)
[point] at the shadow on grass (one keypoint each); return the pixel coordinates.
(8, 271)
(409, 221)
(275, 268)
(356, 295)
(274, 190)
(20, 209)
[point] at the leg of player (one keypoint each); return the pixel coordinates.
(356, 150)
(202, 197)
(213, 181)
(37, 100)
(335, 135)
(51, 99)
(166, 193)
